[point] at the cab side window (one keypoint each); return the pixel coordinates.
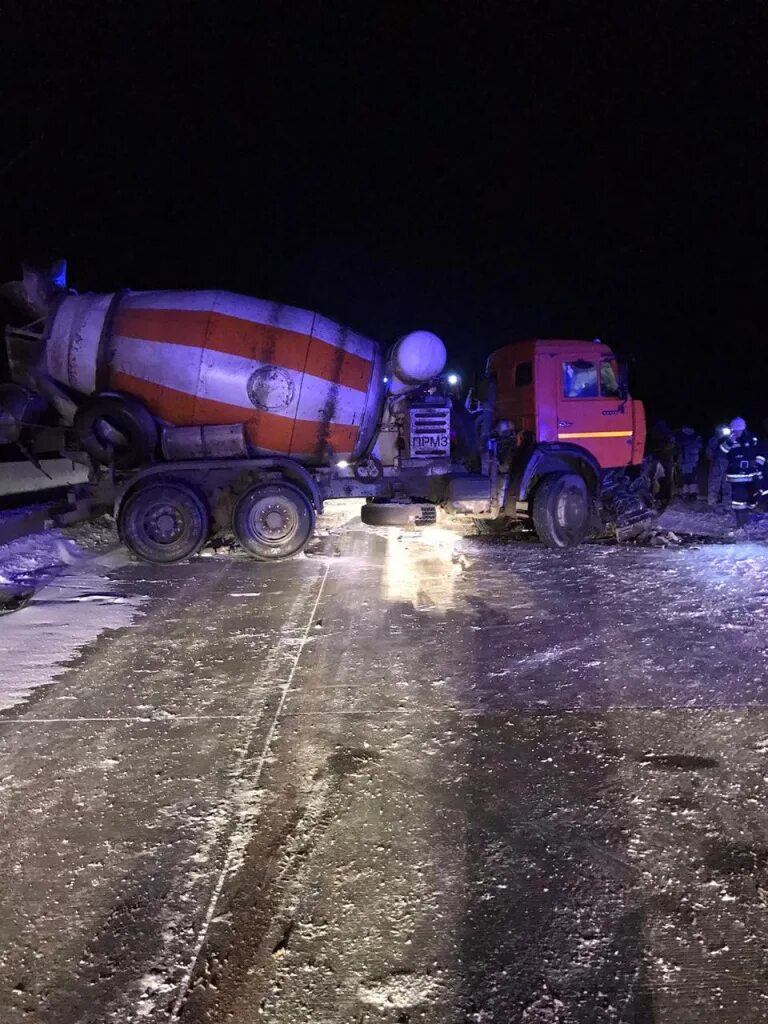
(523, 375)
(580, 379)
(609, 379)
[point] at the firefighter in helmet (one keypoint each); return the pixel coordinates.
(745, 468)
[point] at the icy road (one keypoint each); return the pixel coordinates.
(406, 778)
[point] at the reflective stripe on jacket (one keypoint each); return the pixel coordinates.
(745, 463)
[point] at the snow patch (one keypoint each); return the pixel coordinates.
(153, 986)
(398, 992)
(72, 601)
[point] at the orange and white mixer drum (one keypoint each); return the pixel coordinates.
(300, 384)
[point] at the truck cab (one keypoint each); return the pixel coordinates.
(571, 393)
(552, 423)
(562, 423)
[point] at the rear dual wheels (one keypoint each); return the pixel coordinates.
(168, 521)
(273, 521)
(164, 522)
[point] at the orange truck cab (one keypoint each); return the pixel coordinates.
(562, 430)
(569, 393)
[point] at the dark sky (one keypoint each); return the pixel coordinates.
(489, 171)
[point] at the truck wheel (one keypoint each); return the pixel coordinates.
(273, 521)
(116, 430)
(383, 513)
(164, 522)
(561, 510)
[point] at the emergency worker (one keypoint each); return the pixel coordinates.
(745, 468)
(718, 488)
(688, 445)
(761, 483)
(661, 445)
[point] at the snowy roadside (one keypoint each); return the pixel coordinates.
(713, 523)
(57, 584)
(32, 559)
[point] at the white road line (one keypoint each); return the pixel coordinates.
(168, 719)
(237, 774)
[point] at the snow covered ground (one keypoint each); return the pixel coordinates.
(406, 777)
(63, 576)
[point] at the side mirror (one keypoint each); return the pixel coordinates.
(623, 380)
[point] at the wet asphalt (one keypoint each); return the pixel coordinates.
(410, 777)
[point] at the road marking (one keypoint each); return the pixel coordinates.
(237, 776)
(136, 719)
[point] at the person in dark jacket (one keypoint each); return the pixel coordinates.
(688, 444)
(718, 488)
(661, 445)
(745, 468)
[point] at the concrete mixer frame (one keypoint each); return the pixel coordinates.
(220, 474)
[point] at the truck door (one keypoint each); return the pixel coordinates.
(591, 412)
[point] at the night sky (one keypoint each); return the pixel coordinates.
(488, 171)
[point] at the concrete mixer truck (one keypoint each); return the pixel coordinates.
(205, 410)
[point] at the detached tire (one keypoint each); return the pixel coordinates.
(388, 514)
(164, 522)
(561, 510)
(116, 430)
(273, 521)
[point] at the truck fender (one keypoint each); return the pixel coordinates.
(552, 458)
(297, 474)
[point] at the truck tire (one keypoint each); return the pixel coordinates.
(164, 521)
(116, 430)
(561, 510)
(273, 521)
(381, 513)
